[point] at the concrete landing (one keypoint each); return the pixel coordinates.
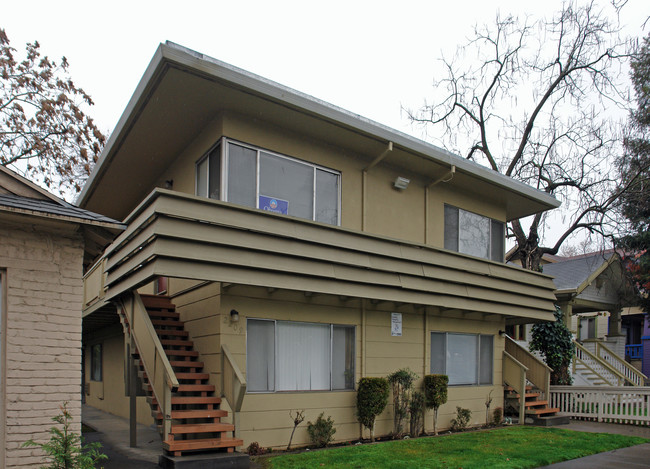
(550, 421)
(206, 461)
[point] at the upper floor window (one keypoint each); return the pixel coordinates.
(473, 234)
(245, 175)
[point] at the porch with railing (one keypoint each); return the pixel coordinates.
(634, 351)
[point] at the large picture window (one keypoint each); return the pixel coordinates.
(298, 356)
(464, 358)
(246, 175)
(473, 234)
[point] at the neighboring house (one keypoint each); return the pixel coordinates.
(303, 247)
(599, 309)
(44, 243)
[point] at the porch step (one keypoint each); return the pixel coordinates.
(545, 411)
(206, 461)
(202, 444)
(195, 413)
(548, 420)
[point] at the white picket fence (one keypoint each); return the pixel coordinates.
(613, 404)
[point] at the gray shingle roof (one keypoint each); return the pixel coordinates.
(47, 207)
(572, 273)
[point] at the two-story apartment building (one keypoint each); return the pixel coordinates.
(304, 247)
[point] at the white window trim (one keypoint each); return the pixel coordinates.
(223, 189)
(275, 332)
(478, 357)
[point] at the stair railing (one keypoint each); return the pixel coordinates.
(597, 366)
(539, 373)
(514, 375)
(233, 385)
(156, 364)
(633, 376)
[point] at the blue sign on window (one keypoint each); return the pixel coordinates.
(272, 204)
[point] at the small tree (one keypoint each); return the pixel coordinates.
(372, 397)
(297, 420)
(401, 383)
(416, 409)
(435, 394)
(66, 450)
(554, 341)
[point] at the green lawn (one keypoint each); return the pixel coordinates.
(508, 447)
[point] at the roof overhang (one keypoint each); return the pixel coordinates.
(182, 91)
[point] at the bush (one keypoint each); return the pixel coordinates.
(372, 397)
(66, 449)
(497, 416)
(416, 409)
(321, 432)
(462, 419)
(402, 383)
(435, 394)
(254, 449)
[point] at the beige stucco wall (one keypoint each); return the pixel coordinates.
(397, 214)
(265, 416)
(43, 335)
(109, 393)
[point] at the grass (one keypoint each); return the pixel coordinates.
(508, 447)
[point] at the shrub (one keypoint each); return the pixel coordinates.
(401, 382)
(66, 449)
(321, 432)
(416, 409)
(372, 397)
(462, 419)
(435, 394)
(497, 416)
(254, 449)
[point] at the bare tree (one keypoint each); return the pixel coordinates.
(44, 132)
(535, 100)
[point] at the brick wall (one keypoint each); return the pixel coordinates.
(43, 334)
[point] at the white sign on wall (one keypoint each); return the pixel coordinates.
(396, 324)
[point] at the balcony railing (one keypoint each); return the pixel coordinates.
(634, 352)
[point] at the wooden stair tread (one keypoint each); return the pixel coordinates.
(163, 314)
(196, 388)
(542, 411)
(204, 443)
(536, 403)
(195, 414)
(186, 364)
(171, 333)
(181, 353)
(528, 395)
(191, 400)
(157, 301)
(198, 376)
(167, 322)
(177, 342)
(180, 429)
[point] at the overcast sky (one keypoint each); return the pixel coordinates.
(369, 57)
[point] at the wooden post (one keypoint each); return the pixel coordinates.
(522, 399)
(133, 401)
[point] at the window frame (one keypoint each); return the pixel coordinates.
(331, 352)
(477, 358)
(95, 349)
(491, 222)
(224, 156)
(3, 349)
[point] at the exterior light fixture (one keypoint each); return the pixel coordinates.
(401, 183)
(501, 333)
(234, 315)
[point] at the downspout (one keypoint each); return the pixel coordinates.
(444, 178)
(364, 173)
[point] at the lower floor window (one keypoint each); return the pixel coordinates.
(465, 358)
(96, 362)
(298, 356)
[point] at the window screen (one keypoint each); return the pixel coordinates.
(260, 353)
(242, 179)
(343, 357)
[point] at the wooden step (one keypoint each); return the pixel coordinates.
(201, 428)
(196, 388)
(542, 411)
(199, 444)
(177, 342)
(167, 323)
(186, 364)
(181, 353)
(195, 414)
(196, 376)
(511, 389)
(529, 395)
(163, 314)
(191, 400)
(157, 302)
(536, 404)
(171, 332)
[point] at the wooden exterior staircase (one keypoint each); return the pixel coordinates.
(534, 406)
(194, 420)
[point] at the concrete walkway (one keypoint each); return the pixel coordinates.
(631, 457)
(113, 433)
